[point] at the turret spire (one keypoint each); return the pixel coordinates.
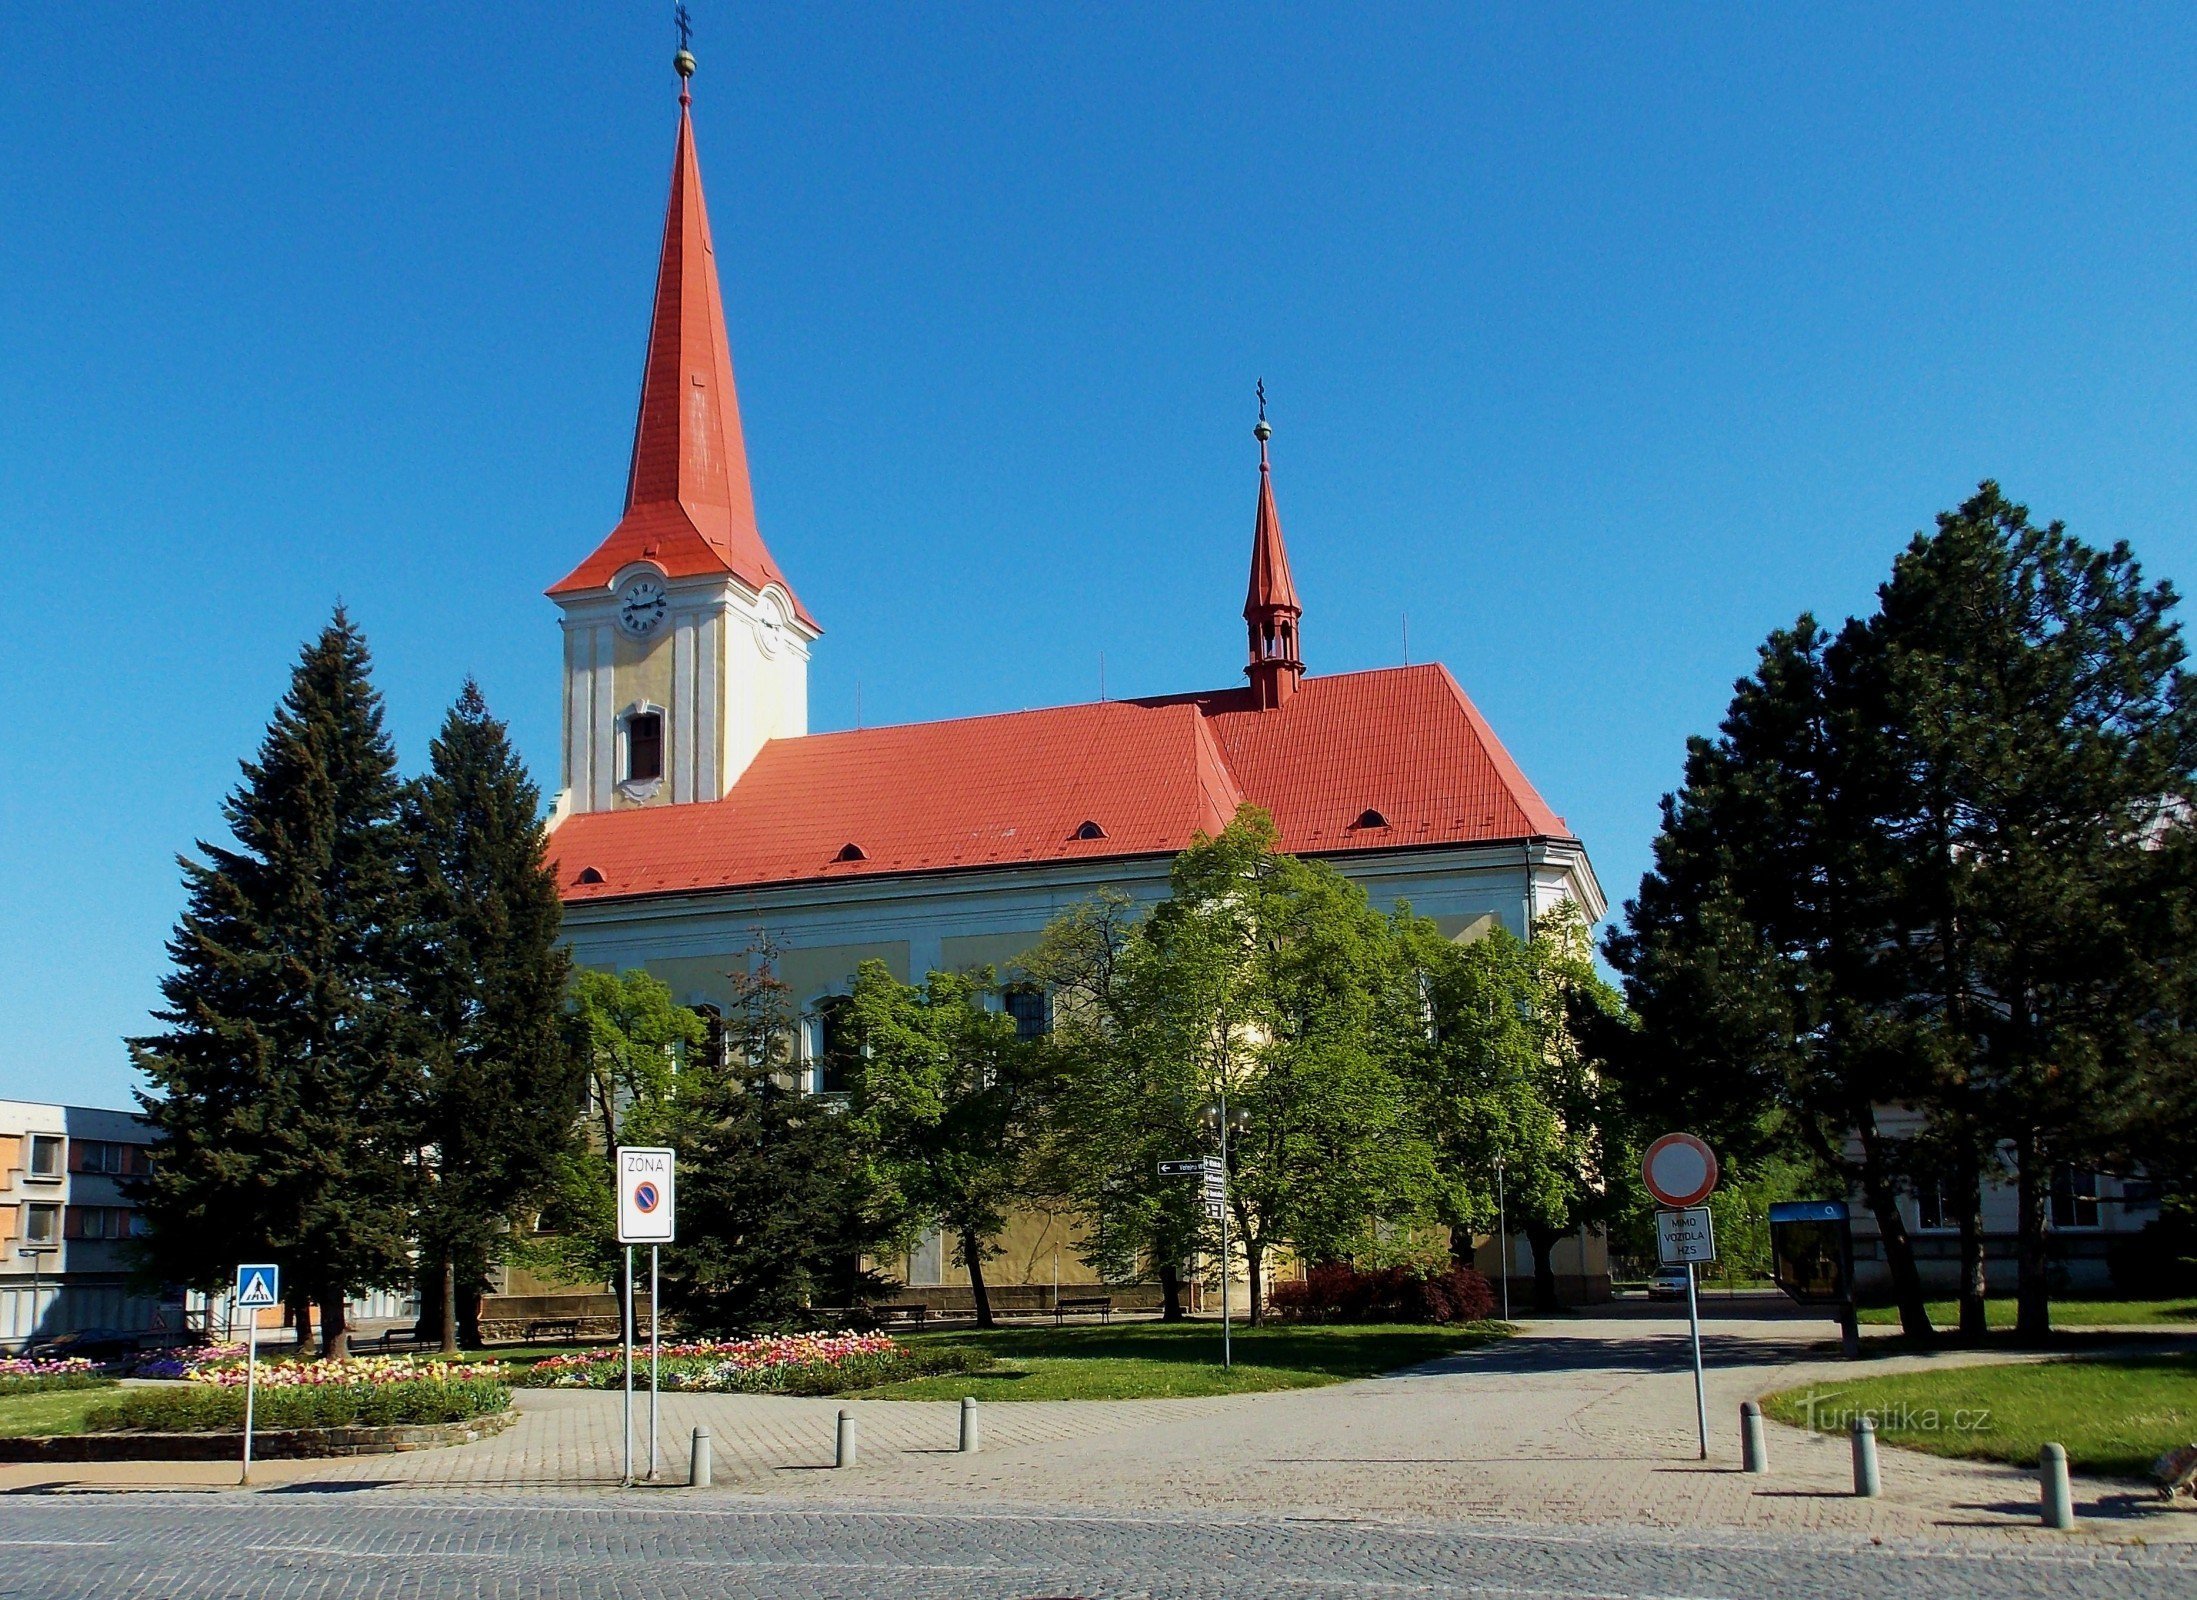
(1270, 610)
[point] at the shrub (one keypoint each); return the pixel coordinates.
(212, 1408)
(1336, 1291)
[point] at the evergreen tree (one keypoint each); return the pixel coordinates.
(776, 1204)
(284, 1086)
(503, 1090)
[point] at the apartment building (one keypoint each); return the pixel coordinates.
(65, 1223)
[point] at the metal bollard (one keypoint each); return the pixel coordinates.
(699, 1464)
(2058, 1510)
(846, 1447)
(1866, 1483)
(1754, 1449)
(969, 1440)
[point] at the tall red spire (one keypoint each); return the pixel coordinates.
(1270, 610)
(688, 505)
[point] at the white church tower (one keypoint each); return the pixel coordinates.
(685, 648)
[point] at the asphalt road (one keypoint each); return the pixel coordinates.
(382, 1545)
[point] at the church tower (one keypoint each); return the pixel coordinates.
(685, 649)
(1270, 609)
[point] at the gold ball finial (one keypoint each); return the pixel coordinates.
(1262, 430)
(683, 63)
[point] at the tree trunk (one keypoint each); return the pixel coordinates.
(972, 1253)
(1170, 1292)
(1543, 1239)
(449, 1302)
(301, 1319)
(1975, 1282)
(1254, 1257)
(1882, 1197)
(2032, 1288)
(469, 1316)
(335, 1329)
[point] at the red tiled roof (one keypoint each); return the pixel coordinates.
(1015, 789)
(689, 507)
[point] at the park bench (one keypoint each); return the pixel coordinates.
(1100, 1305)
(914, 1311)
(548, 1330)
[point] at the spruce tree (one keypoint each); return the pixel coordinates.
(283, 1089)
(502, 1094)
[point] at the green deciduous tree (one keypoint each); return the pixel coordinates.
(284, 1087)
(503, 1088)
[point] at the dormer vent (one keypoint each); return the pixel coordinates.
(1370, 818)
(591, 875)
(850, 851)
(1090, 830)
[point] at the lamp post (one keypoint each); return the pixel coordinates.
(1219, 1119)
(32, 1253)
(1502, 1233)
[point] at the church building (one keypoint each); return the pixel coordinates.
(697, 808)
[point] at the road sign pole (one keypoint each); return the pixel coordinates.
(654, 1351)
(1502, 1232)
(629, 1367)
(251, 1389)
(1701, 1398)
(1227, 1263)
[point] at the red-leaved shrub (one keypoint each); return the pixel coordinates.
(1338, 1292)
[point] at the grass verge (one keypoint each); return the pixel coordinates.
(2065, 1313)
(2114, 1416)
(50, 1411)
(1180, 1360)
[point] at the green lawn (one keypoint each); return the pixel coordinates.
(1157, 1360)
(2115, 1417)
(2065, 1313)
(60, 1411)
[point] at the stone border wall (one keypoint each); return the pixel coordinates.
(268, 1444)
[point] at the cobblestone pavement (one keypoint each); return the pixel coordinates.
(1578, 1423)
(378, 1545)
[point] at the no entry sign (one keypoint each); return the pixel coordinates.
(644, 1195)
(1679, 1170)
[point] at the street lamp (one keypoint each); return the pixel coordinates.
(33, 1252)
(1502, 1233)
(1220, 1120)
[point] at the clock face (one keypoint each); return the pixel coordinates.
(641, 607)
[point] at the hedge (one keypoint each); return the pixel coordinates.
(48, 1383)
(1339, 1292)
(205, 1408)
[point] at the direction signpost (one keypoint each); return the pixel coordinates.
(647, 1178)
(257, 1287)
(1680, 1171)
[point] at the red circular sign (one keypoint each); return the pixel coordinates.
(645, 1198)
(1679, 1170)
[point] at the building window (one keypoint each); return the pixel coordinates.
(1934, 1204)
(42, 1225)
(1032, 1010)
(46, 1151)
(2074, 1198)
(835, 1044)
(99, 1222)
(102, 1156)
(644, 746)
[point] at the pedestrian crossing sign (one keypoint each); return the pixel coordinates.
(258, 1286)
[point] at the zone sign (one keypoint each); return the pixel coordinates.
(645, 1195)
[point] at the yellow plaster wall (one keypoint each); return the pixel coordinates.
(641, 670)
(1000, 951)
(810, 972)
(1027, 1252)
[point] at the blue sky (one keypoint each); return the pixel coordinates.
(1600, 340)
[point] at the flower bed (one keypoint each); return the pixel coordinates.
(344, 1372)
(184, 1360)
(798, 1364)
(43, 1374)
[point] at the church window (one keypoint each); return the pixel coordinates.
(1031, 1009)
(644, 746)
(835, 1044)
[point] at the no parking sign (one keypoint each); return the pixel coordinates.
(645, 1195)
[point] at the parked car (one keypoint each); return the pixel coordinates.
(94, 1344)
(1669, 1283)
